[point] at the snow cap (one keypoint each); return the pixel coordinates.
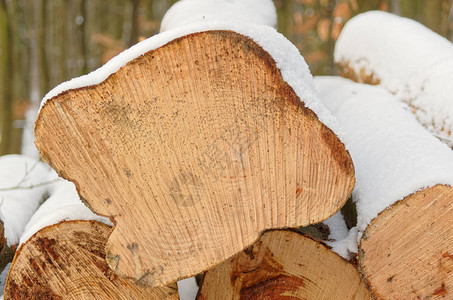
(63, 205)
(410, 60)
(250, 11)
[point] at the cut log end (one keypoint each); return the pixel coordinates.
(194, 148)
(407, 251)
(67, 261)
(284, 265)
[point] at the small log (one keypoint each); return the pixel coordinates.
(418, 71)
(403, 193)
(67, 261)
(194, 148)
(284, 264)
(407, 252)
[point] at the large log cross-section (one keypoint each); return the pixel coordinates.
(193, 149)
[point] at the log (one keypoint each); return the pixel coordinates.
(403, 193)
(195, 147)
(418, 71)
(407, 250)
(67, 261)
(284, 264)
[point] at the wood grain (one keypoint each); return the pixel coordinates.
(193, 149)
(284, 264)
(407, 251)
(67, 261)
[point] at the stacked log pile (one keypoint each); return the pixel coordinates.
(199, 145)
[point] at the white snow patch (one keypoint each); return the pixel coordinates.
(187, 289)
(337, 226)
(189, 11)
(63, 205)
(393, 155)
(411, 61)
(339, 234)
(24, 184)
(293, 68)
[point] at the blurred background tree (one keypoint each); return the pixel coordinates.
(45, 42)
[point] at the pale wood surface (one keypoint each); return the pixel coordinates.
(193, 149)
(67, 261)
(284, 264)
(407, 251)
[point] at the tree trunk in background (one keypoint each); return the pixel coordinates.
(35, 92)
(6, 71)
(82, 36)
(412, 8)
(63, 36)
(450, 23)
(133, 38)
(284, 15)
(431, 14)
(117, 19)
(43, 42)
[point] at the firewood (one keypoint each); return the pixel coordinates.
(67, 261)
(406, 252)
(281, 264)
(403, 193)
(406, 58)
(196, 147)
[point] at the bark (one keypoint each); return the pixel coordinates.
(6, 252)
(67, 261)
(284, 265)
(222, 171)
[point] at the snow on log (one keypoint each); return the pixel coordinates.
(189, 11)
(64, 204)
(24, 185)
(406, 58)
(403, 193)
(196, 146)
(284, 264)
(67, 261)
